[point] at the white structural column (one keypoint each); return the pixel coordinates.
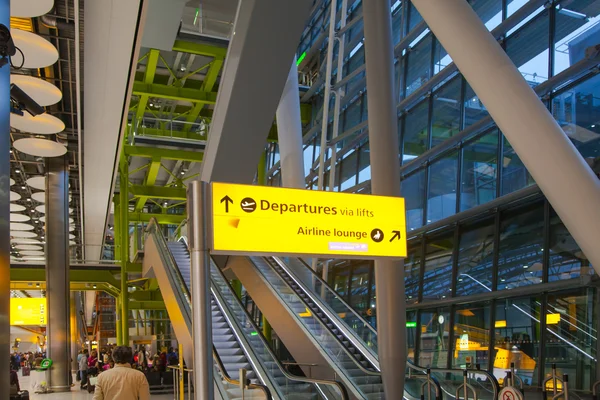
(289, 133)
(385, 180)
(550, 157)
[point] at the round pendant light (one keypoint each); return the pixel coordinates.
(43, 219)
(39, 53)
(42, 92)
(43, 124)
(25, 241)
(71, 228)
(19, 218)
(71, 236)
(30, 8)
(12, 181)
(14, 196)
(17, 226)
(32, 253)
(41, 208)
(16, 207)
(22, 234)
(37, 182)
(29, 247)
(39, 197)
(33, 258)
(72, 243)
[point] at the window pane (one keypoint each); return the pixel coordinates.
(364, 166)
(340, 280)
(517, 338)
(433, 349)
(442, 188)
(577, 112)
(441, 58)
(438, 267)
(514, 174)
(411, 334)
(490, 11)
(472, 335)
(567, 261)
(359, 287)
(528, 49)
(571, 336)
(414, 17)
(352, 114)
(479, 171)
(413, 191)
(574, 32)
(419, 64)
(415, 132)
(474, 108)
(348, 170)
(412, 268)
(446, 112)
(475, 258)
(521, 247)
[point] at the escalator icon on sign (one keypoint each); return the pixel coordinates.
(248, 204)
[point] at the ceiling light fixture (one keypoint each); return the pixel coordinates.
(18, 171)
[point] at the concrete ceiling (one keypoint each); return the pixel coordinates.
(111, 28)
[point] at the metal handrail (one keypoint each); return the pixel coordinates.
(323, 282)
(235, 382)
(151, 228)
(411, 365)
(344, 349)
(289, 376)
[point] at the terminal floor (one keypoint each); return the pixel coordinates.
(75, 394)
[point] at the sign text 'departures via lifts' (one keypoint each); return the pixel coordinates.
(270, 220)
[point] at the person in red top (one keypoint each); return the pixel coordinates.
(93, 363)
(163, 361)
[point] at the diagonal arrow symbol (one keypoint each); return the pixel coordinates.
(227, 200)
(396, 235)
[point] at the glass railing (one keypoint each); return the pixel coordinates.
(184, 301)
(287, 384)
(364, 383)
(448, 379)
(300, 271)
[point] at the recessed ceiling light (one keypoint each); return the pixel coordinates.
(18, 171)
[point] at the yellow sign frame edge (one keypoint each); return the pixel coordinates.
(211, 244)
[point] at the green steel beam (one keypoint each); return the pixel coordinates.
(170, 134)
(31, 275)
(199, 49)
(149, 180)
(147, 305)
(146, 295)
(163, 219)
(207, 86)
(151, 65)
(167, 154)
(143, 89)
(157, 192)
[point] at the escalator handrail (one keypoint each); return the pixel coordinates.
(410, 364)
(348, 306)
(152, 229)
(236, 382)
(289, 376)
(328, 329)
(356, 340)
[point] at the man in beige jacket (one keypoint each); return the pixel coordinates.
(122, 382)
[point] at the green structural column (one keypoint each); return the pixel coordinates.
(261, 179)
(124, 242)
(118, 325)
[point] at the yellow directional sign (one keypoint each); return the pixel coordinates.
(27, 311)
(266, 220)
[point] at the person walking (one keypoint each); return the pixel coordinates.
(122, 382)
(83, 368)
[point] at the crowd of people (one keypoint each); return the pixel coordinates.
(112, 373)
(94, 364)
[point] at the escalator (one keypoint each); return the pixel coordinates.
(352, 341)
(237, 342)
